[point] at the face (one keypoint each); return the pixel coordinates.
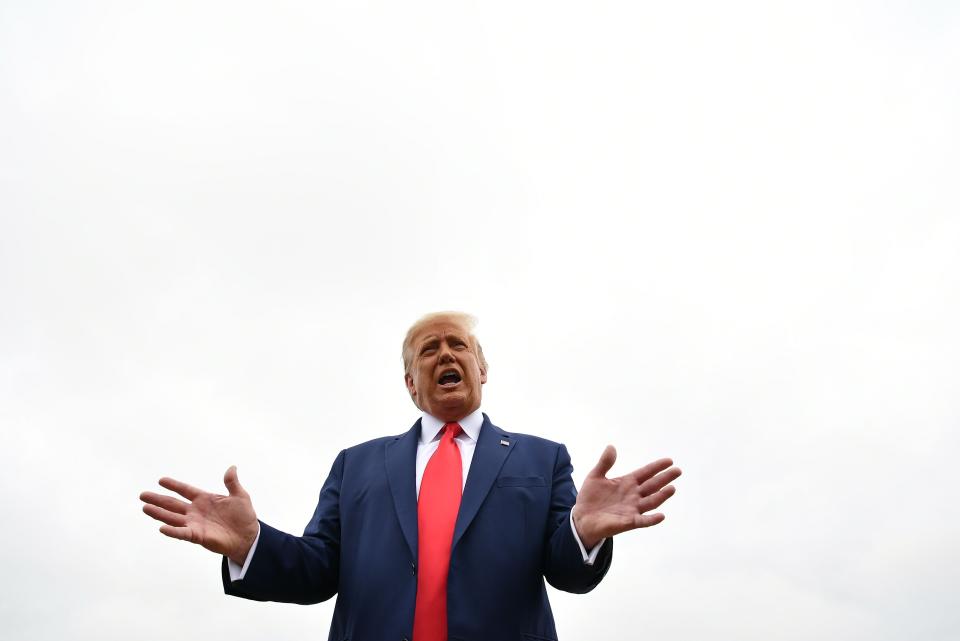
(445, 374)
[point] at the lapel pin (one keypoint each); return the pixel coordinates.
(504, 442)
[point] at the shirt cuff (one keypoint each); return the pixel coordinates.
(588, 557)
(237, 572)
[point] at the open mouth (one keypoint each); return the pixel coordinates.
(449, 378)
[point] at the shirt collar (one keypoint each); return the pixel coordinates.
(430, 426)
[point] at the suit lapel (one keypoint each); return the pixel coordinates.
(401, 455)
(488, 458)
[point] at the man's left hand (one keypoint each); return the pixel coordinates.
(606, 507)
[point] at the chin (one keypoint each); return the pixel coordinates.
(452, 408)
(452, 396)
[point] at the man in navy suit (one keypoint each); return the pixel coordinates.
(443, 533)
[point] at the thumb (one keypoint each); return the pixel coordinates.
(607, 459)
(232, 482)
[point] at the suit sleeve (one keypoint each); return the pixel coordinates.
(563, 565)
(297, 569)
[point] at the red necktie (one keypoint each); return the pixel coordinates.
(437, 508)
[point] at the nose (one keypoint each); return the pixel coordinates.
(446, 354)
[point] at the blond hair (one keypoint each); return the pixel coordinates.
(466, 321)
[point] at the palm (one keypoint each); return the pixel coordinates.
(606, 507)
(611, 503)
(215, 521)
(223, 524)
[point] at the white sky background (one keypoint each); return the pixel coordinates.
(722, 232)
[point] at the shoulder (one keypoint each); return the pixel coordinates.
(531, 454)
(534, 441)
(375, 444)
(371, 452)
(529, 443)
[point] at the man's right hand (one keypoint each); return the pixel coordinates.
(226, 525)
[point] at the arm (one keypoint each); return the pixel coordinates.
(606, 507)
(292, 569)
(563, 564)
(225, 524)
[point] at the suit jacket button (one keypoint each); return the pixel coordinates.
(413, 570)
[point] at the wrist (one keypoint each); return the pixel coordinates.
(242, 549)
(584, 531)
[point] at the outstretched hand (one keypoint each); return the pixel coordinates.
(606, 507)
(223, 524)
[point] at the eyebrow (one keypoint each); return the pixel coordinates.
(433, 338)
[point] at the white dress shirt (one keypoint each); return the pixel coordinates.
(430, 427)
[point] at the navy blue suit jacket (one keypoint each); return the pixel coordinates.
(512, 532)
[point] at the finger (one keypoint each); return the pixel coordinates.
(654, 501)
(646, 520)
(607, 459)
(232, 481)
(186, 491)
(646, 472)
(659, 481)
(166, 516)
(164, 501)
(181, 533)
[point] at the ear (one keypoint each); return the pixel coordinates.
(410, 387)
(481, 361)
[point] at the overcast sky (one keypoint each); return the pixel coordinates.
(722, 232)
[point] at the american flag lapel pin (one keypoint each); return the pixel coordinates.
(504, 441)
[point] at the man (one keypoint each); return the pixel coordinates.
(444, 533)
